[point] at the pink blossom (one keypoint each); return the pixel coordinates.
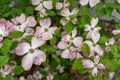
(6, 70)
(91, 2)
(93, 31)
(77, 41)
(118, 1)
(109, 43)
(93, 65)
(45, 31)
(33, 55)
(68, 16)
(42, 6)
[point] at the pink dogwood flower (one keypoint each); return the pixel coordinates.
(77, 41)
(94, 65)
(45, 31)
(109, 43)
(68, 16)
(42, 6)
(118, 1)
(94, 48)
(6, 70)
(22, 23)
(5, 28)
(33, 55)
(91, 2)
(69, 52)
(93, 31)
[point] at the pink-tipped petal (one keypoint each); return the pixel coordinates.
(36, 42)
(115, 32)
(75, 21)
(59, 5)
(78, 42)
(39, 57)
(21, 18)
(63, 22)
(87, 28)
(74, 11)
(7, 69)
(52, 29)
(95, 36)
(93, 2)
(22, 48)
(31, 21)
(101, 66)
(39, 31)
(65, 12)
(87, 63)
(94, 22)
(99, 50)
(62, 45)
(74, 32)
(45, 22)
(35, 2)
(27, 62)
(83, 2)
(66, 54)
(94, 72)
(47, 36)
(48, 4)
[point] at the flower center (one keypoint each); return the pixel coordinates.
(46, 29)
(71, 38)
(94, 45)
(95, 65)
(31, 50)
(0, 35)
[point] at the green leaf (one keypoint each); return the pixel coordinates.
(77, 66)
(57, 32)
(50, 13)
(18, 70)
(53, 40)
(3, 60)
(56, 58)
(114, 49)
(29, 10)
(69, 27)
(16, 34)
(85, 50)
(6, 46)
(9, 78)
(103, 39)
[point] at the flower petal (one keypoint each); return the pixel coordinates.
(21, 18)
(47, 36)
(83, 2)
(95, 36)
(87, 63)
(31, 21)
(65, 12)
(62, 45)
(101, 66)
(39, 57)
(66, 54)
(45, 22)
(59, 5)
(87, 27)
(99, 50)
(47, 4)
(94, 22)
(36, 42)
(116, 32)
(27, 62)
(78, 42)
(93, 2)
(94, 72)
(35, 2)
(74, 32)
(22, 48)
